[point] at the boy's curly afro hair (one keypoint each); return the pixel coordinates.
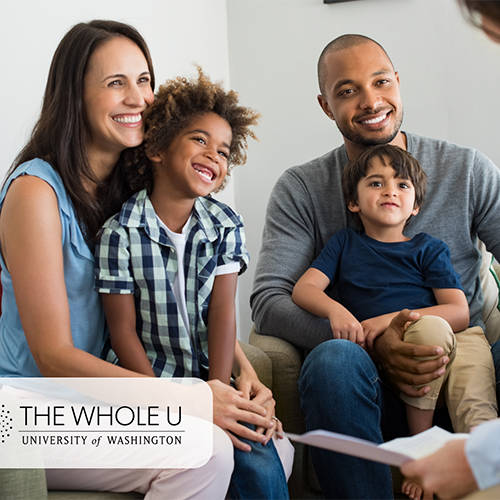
(176, 104)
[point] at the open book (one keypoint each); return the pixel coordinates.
(394, 452)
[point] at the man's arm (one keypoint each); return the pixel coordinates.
(451, 306)
(288, 248)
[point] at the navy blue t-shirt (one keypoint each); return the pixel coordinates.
(375, 278)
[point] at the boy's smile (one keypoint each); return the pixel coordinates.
(385, 202)
(195, 163)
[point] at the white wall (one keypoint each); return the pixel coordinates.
(267, 50)
(449, 79)
(178, 32)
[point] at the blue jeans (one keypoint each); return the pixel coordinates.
(341, 391)
(258, 474)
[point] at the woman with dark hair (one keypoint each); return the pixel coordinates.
(62, 187)
(484, 14)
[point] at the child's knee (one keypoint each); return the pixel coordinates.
(432, 331)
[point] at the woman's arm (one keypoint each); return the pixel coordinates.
(30, 232)
(231, 408)
(121, 320)
(222, 327)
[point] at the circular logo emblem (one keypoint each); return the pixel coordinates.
(5, 424)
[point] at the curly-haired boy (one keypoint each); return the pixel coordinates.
(167, 264)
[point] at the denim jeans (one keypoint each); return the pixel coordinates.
(258, 474)
(341, 391)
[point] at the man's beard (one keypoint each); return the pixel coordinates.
(357, 138)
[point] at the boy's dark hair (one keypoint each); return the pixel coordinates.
(176, 104)
(403, 163)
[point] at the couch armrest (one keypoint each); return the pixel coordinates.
(286, 362)
(260, 362)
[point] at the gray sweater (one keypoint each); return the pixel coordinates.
(306, 207)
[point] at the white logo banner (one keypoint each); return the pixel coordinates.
(105, 423)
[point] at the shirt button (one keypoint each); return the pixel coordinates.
(173, 250)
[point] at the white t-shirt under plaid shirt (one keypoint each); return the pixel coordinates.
(134, 255)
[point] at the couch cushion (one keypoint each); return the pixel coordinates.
(22, 484)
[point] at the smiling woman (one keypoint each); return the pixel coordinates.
(64, 184)
(117, 89)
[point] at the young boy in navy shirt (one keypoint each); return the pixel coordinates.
(379, 272)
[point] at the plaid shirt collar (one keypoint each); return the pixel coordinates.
(138, 211)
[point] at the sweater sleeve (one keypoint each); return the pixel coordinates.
(486, 200)
(288, 247)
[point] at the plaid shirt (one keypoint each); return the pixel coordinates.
(135, 255)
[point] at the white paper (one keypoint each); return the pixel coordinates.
(394, 452)
(423, 444)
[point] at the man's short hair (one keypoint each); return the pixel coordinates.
(341, 43)
(403, 163)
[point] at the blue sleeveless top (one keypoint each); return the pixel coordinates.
(86, 312)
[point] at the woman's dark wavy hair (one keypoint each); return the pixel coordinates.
(60, 135)
(176, 104)
(403, 163)
(474, 9)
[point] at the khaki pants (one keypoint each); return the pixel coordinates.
(468, 384)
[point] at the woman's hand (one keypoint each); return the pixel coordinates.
(247, 381)
(254, 390)
(231, 408)
(446, 472)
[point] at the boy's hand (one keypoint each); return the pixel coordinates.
(397, 358)
(346, 326)
(373, 327)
